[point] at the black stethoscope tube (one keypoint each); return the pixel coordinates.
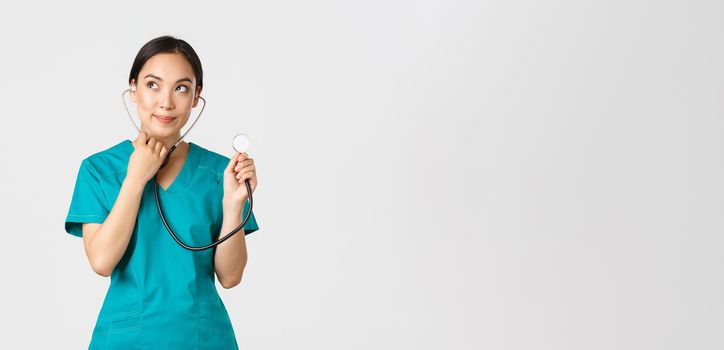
(165, 223)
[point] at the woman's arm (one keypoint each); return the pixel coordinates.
(106, 243)
(230, 259)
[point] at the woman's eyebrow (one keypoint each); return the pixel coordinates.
(177, 81)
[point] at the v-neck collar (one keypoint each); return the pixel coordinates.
(185, 175)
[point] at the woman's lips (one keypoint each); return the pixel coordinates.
(164, 119)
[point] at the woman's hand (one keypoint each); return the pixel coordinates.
(240, 168)
(146, 159)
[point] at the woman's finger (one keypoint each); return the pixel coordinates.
(245, 177)
(244, 170)
(243, 164)
(140, 139)
(232, 162)
(247, 168)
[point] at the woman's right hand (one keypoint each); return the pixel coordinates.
(146, 159)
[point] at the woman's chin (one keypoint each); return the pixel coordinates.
(161, 131)
(166, 133)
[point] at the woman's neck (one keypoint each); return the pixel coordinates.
(180, 148)
(167, 141)
(178, 156)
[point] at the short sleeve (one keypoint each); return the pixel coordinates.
(87, 204)
(250, 225)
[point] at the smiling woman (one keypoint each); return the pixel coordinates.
(161, 295)
(169, 88)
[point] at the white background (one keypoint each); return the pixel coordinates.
(432, 174)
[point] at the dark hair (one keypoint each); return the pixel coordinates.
(167, 44)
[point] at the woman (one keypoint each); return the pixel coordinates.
(161, 295)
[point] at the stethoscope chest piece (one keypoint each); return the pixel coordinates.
(241, 143)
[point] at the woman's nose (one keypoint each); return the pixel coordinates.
(166, 102)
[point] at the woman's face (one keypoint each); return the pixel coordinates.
(164, 94)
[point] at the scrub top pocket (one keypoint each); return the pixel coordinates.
(121, 330)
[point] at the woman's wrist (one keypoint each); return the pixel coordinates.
(133, 184)
(232, 205)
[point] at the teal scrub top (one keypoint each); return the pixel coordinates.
(161, 296)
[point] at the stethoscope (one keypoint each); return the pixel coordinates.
(240, 144)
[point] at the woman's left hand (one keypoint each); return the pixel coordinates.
(240, 168)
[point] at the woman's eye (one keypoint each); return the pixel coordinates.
(149, 84)
(183, 87)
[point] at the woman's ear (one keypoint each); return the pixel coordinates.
(196, 97)
(132, 86)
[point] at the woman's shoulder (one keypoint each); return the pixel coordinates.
(210, 157)
(211, 160)
(111, 160)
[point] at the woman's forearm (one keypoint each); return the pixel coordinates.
(230, 259)
(110, 241)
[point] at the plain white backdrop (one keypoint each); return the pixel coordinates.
(432, 174)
